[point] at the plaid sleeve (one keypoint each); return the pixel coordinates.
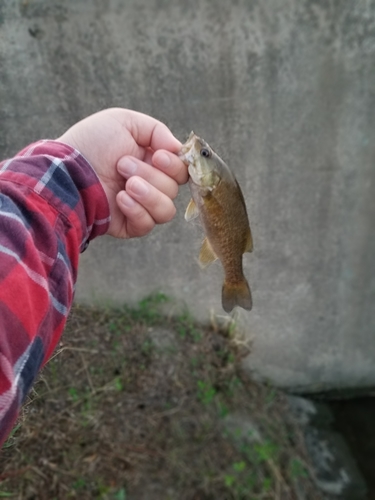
(51, 205)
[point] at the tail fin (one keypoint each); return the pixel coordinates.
(236, 294)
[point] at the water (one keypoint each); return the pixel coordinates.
(355, 420)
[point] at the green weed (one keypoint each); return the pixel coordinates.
(231, 386)
(297, 469)
(271, 397)
(11, 441)
(79, 484)
(120, 494)
(148, 310)
(206, 392)
(241, 481)
(118, 385)
(223, 410)
(229, 480)
(147, 347)
(120, 325)
(186, 327)
(258, 453)
(239, 466)
(232, 328)
(266, 451)
(195, 361)
(73, 393)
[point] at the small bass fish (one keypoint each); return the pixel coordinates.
(218, 200)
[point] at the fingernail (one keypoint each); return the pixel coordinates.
(126, 200)
(163, 160)
(127, 167)
(139, 187)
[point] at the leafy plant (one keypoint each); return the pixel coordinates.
(118, 384)
(79, 484)
(186, 327)
(297, 469)
(148, 310)
(73, 393)
(267, 450)
(147, 347)
(120, 494)
(206, 392)
(10, 441)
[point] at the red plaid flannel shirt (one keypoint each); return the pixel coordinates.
(51, 205)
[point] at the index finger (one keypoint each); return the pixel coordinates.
(151, 133)
(172, 165)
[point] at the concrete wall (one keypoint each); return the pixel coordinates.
(284, 90)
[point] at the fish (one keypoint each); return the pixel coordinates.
(218, 201)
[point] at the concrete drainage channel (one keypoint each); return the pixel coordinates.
(354, 419)
(340, 442)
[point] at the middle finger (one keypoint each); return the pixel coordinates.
(157, 204)
(128, 166)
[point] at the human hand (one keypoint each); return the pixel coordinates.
(135, 158)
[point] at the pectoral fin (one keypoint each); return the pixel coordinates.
(206, 255)
(191, 211)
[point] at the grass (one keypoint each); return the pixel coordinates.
(135, 405)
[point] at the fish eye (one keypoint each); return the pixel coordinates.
(205, 152)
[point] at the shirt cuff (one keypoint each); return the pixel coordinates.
(64, 178)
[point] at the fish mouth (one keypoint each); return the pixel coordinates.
(186, 153)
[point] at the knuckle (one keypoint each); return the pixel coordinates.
(172, 212)
(174, 190)
(143, 227)
(168, 213)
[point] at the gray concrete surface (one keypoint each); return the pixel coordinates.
(284, 90)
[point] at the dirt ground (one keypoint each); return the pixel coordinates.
(136, 405)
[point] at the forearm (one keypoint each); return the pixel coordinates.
(51, 205)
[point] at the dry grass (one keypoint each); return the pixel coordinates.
(138, 406)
